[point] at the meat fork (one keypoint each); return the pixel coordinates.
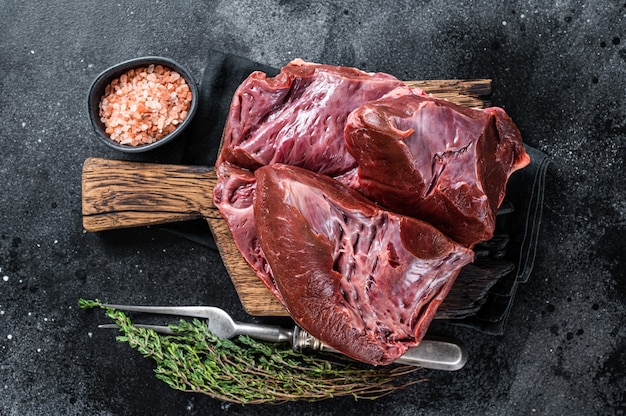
(432, 352)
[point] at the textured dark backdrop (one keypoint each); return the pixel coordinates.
(559, 69)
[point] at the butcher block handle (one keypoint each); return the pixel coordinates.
(123, 194)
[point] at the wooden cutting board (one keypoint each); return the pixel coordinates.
(122, 194)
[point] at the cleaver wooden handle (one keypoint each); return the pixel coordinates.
(123, 194)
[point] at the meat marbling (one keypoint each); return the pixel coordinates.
(364, 280)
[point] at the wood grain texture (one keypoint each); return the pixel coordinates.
(122, 194)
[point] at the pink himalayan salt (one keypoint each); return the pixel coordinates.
(144, 105)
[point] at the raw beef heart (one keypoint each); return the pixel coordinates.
(298, 117)
(358, 269)
(364, 280)
(434, 160)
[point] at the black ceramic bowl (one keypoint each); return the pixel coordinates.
(97, 91)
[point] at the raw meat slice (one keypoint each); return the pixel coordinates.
(298, 117)
(363, 280)
(234, 196)
(434, 160)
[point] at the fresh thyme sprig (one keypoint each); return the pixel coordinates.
(247, 371)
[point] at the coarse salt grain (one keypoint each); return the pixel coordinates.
(144, 105)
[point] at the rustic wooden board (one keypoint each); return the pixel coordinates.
(121, 194)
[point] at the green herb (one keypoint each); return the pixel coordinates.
(247, 371)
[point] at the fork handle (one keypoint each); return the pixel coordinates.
(435, 353)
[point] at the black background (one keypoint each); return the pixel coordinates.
(558, 69)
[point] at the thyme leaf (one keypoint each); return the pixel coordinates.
(247, 371)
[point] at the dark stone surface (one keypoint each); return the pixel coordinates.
(558, 69)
